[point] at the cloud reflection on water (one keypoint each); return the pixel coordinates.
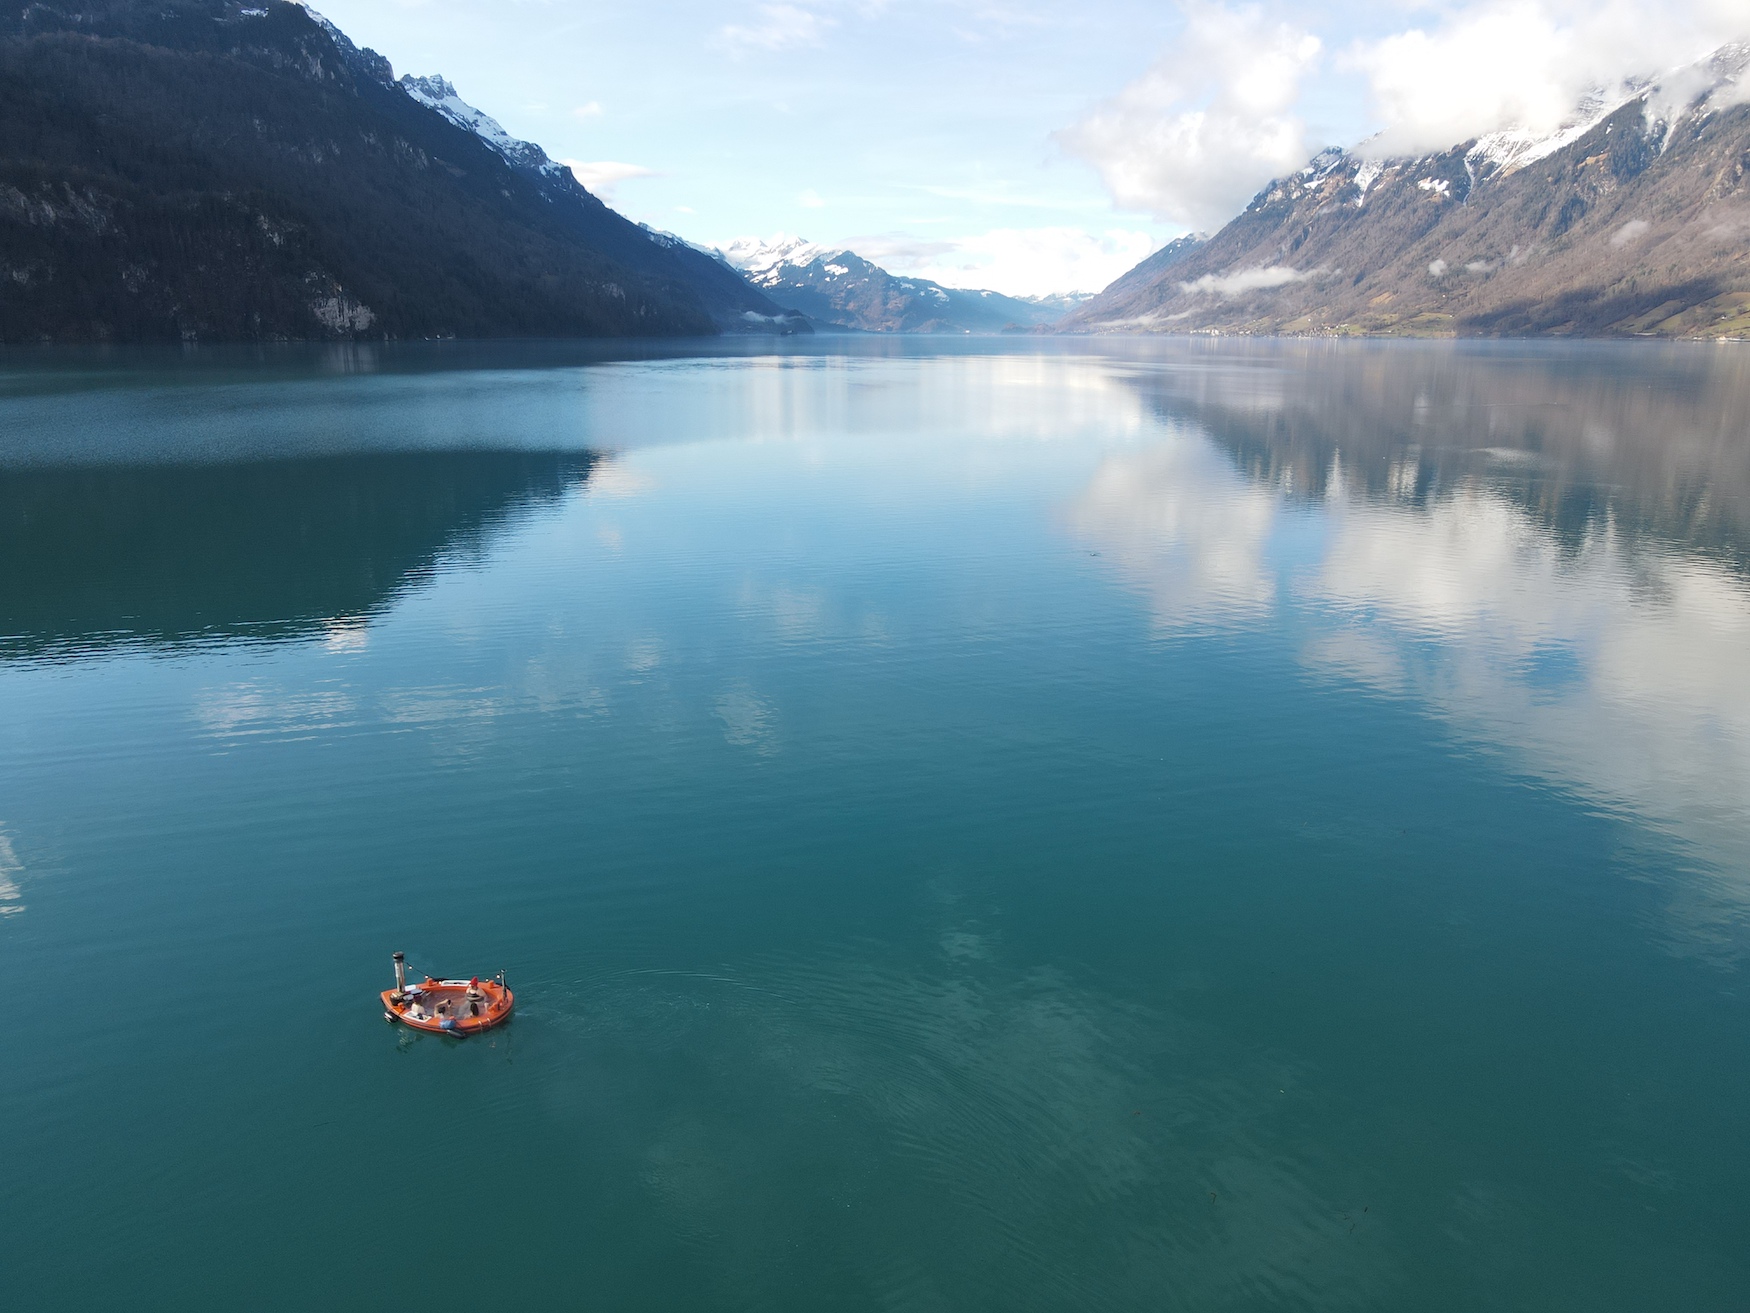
(1605, 652)
(11, 869)
(998, 1103)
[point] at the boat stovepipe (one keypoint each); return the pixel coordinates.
(450, 1007)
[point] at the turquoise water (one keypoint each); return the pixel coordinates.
(1013, 826)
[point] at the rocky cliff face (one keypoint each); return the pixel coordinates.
(215, 170)
(838, 288)
(1634, 219)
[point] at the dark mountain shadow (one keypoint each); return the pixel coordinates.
(97, 558)
(1649, 442)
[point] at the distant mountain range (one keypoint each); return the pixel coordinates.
(1633, 219)
(217, 170)
(189, 170)
(837, 288)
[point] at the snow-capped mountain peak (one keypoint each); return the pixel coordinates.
(437, 93)
(837, 288)
(760, 259)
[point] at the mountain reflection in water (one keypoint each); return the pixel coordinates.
(1657, 439)
(1547, 550)
(117, 555)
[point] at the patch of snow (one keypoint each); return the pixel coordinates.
(1365, 177)
(1439, 186)
(1325, 163)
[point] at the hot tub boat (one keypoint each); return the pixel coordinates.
(448, 1007)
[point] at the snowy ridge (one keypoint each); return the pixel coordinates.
(662, 237)
(1716, 82)
(768, 262)
(435, 92)
(1705, 87)
(1500, 153)
(762, 261)
(837, 287)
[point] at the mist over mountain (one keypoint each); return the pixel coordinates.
(837, 288)
(216, 170)
(1632, 219)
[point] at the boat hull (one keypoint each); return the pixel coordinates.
(450, 1007)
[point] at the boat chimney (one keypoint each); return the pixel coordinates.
(400, 972)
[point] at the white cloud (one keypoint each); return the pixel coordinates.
(1015, 261)
(1247, 280)
(602, 176)
(809, 199)
(1629, 232)
(1193, 139)
(1219, 114)
(1528, 63)
(777, 27)
(593, 110)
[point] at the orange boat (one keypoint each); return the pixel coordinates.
(449, 1007)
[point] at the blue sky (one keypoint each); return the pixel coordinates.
(1018, 144)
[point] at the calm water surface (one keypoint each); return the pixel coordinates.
(1093, 826)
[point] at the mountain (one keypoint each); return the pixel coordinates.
(1633, 219)
(214, 170)
(837, 288)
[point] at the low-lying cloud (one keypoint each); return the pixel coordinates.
(601, 177)
(1631, 231)
(1246, 280)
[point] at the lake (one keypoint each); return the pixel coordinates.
(987, 825)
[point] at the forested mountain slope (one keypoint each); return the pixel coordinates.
(216, 170)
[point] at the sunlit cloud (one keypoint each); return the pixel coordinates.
(775, 27)
(603, 177)
(1193, 139)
